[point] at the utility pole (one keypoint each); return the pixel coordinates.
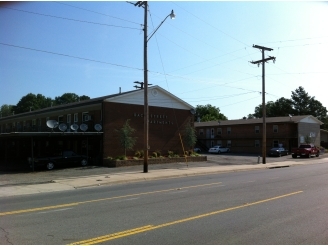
(263, 96)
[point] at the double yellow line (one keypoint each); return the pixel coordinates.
(152, 227)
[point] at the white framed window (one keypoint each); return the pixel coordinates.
(33, 122)
(257, 143)
(201, 131)
(275, 128)
(257, 129)
(228, 130)
(212, 132)
(228, 143)
(219, 131)
(219, 142)
(76, 117)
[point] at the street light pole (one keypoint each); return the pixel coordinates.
(144, 4)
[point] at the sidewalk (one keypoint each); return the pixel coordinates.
(72, 183)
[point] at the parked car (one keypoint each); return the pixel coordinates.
(306, 150)
(197, 150)
(218, 149)
(65, 158)
(278, 152)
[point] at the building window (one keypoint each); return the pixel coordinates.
(212, 132)
(60, 119)
(228, 130)
(275, 143)
(68, 118)
(39, 122)
(257, 129)
(201, 131)
(33, 122)
(275, 128)
(76, 117)
(219, 131)
(228, 143)
(85, 116)
(257, 143)
(219, 142)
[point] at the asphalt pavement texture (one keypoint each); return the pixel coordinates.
(42, 176)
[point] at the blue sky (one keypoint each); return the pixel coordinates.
(202, 56)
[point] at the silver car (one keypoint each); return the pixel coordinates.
(218, 149)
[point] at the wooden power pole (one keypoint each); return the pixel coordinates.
(263, 96)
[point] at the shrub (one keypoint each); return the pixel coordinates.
(121, 157)
(154, 154)
(170, 153)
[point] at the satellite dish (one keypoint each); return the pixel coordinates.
(98, 127)
(62, 127)
(74, 127)
(84, 127)
(52, 124)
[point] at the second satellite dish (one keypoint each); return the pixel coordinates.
(62, 127)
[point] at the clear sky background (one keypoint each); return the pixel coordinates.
(202, 56)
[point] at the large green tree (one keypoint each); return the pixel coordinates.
(299, 104)
(69, 98)
(32, 102)
(208, 113)
(281, 107)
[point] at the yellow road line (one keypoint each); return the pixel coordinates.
(99, 200)
(152, 227)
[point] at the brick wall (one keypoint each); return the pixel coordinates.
(163, 128)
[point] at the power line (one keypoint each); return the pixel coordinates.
(64, 18)
(98, 13)
(76, 57)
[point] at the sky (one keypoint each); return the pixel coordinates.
(203, 56)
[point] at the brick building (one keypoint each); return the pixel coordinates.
(245, 135)
(89, 127)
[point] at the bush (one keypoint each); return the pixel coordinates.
(121, 157)
(139, 154)
(154, 154)
(170, 153)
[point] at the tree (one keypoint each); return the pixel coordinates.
(69, 98)
(189, 135)
(126, 139)
(6, 110)
(299, 104)
(32, 102)
(209, 113)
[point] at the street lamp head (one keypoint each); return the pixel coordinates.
(172, 15)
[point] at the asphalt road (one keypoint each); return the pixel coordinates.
(43, 176)
(267, 206)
